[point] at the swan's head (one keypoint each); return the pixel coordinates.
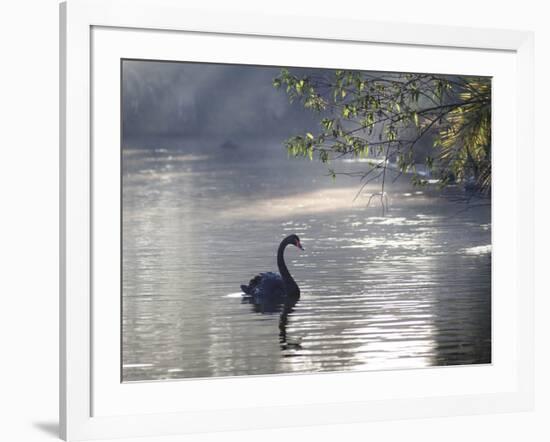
(294, 240)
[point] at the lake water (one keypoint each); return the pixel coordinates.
(408, 289)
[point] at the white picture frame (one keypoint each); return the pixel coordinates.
(93, 405)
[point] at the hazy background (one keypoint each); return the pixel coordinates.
(224, 103)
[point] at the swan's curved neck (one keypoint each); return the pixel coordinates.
(283, 270)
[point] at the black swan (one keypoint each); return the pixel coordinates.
(270, 289)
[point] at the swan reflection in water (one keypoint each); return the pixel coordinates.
(287, 343)
(272, 292)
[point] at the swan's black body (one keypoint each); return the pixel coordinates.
(271, 289)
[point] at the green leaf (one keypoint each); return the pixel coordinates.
(327, 123)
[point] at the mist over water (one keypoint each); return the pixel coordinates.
(406, 290)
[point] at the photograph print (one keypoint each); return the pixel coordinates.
(285, 220)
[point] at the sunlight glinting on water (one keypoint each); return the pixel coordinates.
(407, 290)
(301, 204)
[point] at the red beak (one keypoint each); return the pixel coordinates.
(299, 245)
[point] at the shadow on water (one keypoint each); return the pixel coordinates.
(463, 332)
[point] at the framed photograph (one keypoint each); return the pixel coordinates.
(299, 221)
